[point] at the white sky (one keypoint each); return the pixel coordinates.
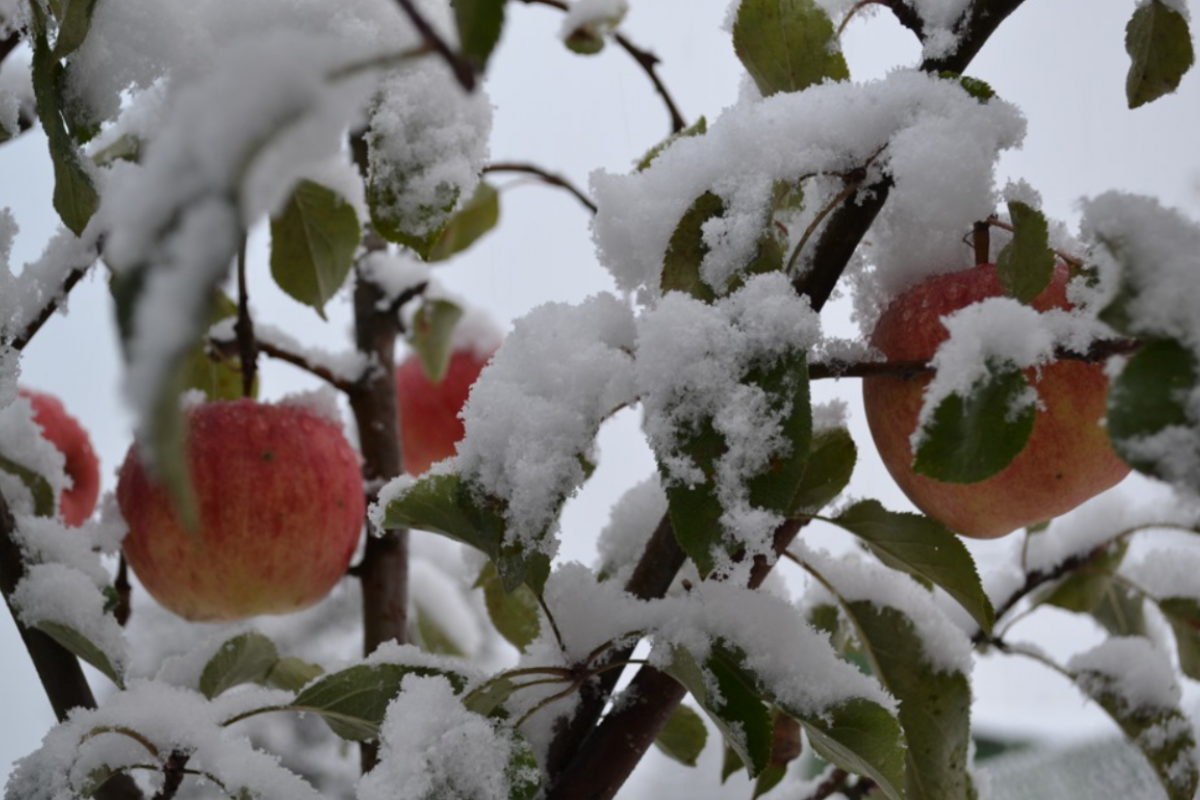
(1061, 61)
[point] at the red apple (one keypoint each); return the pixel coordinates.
(429, 423)
(83, 468)
(1067, 458)
(280, 504)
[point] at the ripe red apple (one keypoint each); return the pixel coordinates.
(1067, 458)
(83, 468)
(429, 423)
(280, 503)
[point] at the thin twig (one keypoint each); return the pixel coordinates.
(244, 327)
(73, 277)
(463, 72)
(550, 178)
(644, 58)
(224, 348)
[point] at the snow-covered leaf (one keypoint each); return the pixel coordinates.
(1183, 614)
(695, 510)
(445, 504)
(43, 493)
(969, 439)
(925, 549)
(516, 614)
(786, 383)
(353, 701)
(683, 738)
(73, 26)
(218, 378)
(1147, 399)
(686, 251)
(431, 335)
(1026, 264)
(75, 197)
(313, 239)
(787, 45)
(431, 636)
(81, 646)
(831, 460)
(479, 25)
(478, 216)
(935, 704)
(861, 737)
(697, 128)
(1159, 44)
(246, 658)
(1091, 589)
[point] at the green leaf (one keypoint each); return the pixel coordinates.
(697, 128)
(73, 26)
(683, 738)
(1148, 398)
(79, 645)
(1164, 735)
(861, 737)
(444, 504)
(75, 197)
(219, 378)
(44, 501)
(970, 439)
(1159, 45)
(975, 87)
(787, 45)
(479, 25)
(292, 674)
(516, 614)
(923, 548)
(1121, 611)
(473, 220)
(695, 510)
(353, 701)
(1083, 589)
(247, 658)
(686, 250)
(431, 336)
(731, 701)
(523, 774)
(731, 763)
(831, 460)
(935, 705)
(431, 636)
(785, 382)
(420, 232)
(1183, 614)
(313, 240)
(1026, 264)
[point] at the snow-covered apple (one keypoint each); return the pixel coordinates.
(429, 423)
(1067, 459)
(76, 502)
(280, 504)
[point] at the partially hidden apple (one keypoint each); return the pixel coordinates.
(62, 430)
(280, 504)
(1067, 458)
(429, 423)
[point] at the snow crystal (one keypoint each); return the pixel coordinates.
(1133, 668)
(393, 273)
(631, 521)
(46, 540)
(60, 595)
(945, 143)
(691, 357)
(1167, 573)
(528, 427)
(40, 283)
(432, 746)
(944, 645)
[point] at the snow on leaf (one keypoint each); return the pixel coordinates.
(246, 658)
(477, 216)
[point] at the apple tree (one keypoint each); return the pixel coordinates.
(1019, 357)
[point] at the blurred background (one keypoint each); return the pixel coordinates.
(1061, 61)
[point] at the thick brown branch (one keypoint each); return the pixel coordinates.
(546, 177)
(644, 58)
(461, 69)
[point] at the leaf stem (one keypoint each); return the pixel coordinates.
(549, 178)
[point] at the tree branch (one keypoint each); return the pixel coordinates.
(461, 69)
(73, 277)
(547, 177)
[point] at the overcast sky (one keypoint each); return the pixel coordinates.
(1061, 61)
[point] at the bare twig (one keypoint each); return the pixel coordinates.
(229, 348)
(644, 58)
(546, 177)
(124, 592)
(463, 72)
(244, 327)
(23, 338)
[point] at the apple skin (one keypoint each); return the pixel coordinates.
(1067, 459)
(83, 468)
(429, 423)
(280, 502)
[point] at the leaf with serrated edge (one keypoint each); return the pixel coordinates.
(1147, 397)
(1159, 45)
(923, 548)
(81, 646)
(787, 45)
(683, 738)
(830, 464)
(313, 241)
(686, 250)
(473, 220)
(786, 384)
(863, 738)
(1025, 265)
(695, 510)
(353, 701)
(431, 336)
(246, 658)
(970, 439)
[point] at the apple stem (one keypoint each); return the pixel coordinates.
(244, 327)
